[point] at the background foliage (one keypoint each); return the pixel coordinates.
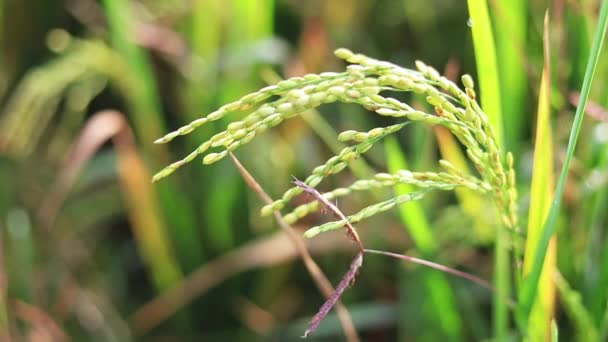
(88, 243)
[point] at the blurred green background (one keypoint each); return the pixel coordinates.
(88, 242)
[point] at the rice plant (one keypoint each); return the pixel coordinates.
(457, 181)
(363, 83)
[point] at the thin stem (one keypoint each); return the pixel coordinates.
(439, 267)
(349, 227)
(501, 282)
(315, 271)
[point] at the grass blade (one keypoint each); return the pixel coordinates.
(530, 286)
(20, 254)
(511, 27)
(487, 72)
(141, 199)
(250, 22)
(604, 325)
(595, 281)
(205, 40)
(487, 69)
(582, 320)
(145, 110)
(414, 219)
(146, 104)
(580, 27)
(148, 227)
(541, 192)
(411, 213)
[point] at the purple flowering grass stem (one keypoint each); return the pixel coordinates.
(347, 281)
(436, 266)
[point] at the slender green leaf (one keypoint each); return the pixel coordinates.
(511, 19)
(541, 193)
(249, 22)
(411, 213)
(145, 104)
(487, 72)
(21, 253)
(487, 68)
(580, 27)
(595, 272)
(416, 222)
(586, 330)
(604, 326)
(530, 286)
(145, 110)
